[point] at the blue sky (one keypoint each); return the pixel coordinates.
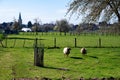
(46, 11)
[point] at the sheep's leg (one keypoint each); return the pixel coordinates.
(64, 55)
(67, 55)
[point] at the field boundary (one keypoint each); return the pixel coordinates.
(13, 42)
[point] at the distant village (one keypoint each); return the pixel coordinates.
(16, 26)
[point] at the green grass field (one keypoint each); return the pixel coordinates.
(18, 62)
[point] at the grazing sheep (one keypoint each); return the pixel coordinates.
(66, 51)
(83, 51)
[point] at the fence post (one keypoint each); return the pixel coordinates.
(6, 42)
(24, 43)
(55, 42)
(1, 43)
(99, 42)
(14, 43)
(75, 42)
(35, 52)
(38, 54)
(41, 57)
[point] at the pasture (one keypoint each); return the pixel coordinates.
(17, 62)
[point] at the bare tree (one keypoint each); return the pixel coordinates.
(62, 26)
(94, 8)
(36, 26)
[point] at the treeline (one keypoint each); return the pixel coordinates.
(102, 28)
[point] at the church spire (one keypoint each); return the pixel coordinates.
(20, 20)
(19, 15)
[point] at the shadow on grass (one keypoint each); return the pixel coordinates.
(64, 69)
(76, 57)
(24, 38)
(94, 57)
(53, 47)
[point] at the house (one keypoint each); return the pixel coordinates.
(26, 30)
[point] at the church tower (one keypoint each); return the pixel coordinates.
(20, 20)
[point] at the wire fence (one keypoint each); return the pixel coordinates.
(57, 42)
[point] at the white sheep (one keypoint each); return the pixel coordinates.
(66, 51)
(83, 51)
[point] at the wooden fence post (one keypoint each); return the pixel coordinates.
(35, 56)
(75, 42)
(5, 42)
(99, 42)
(38, 54)
(35, 52)
(1, 43)
(40, 57)
(24, 43)
(55, 42)
(14, 43)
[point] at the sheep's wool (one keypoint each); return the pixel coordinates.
(65, 50)
(83, 51)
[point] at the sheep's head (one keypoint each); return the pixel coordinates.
(69, 48)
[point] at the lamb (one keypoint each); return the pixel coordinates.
(66, 51)
(83, 51)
